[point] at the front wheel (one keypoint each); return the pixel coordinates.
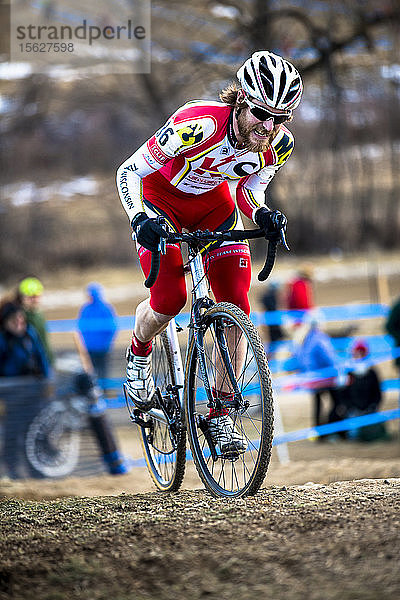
(230, 433)
(164, 446)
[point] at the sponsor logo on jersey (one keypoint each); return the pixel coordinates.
(123, 186)
(191, 134)
(218, 169)
(156, 151)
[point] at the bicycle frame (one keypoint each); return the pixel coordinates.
(225, 372)
(200, 293)
(201, 300)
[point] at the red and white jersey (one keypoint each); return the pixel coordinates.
(196, 151)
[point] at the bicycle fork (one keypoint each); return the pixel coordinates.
(202, 302)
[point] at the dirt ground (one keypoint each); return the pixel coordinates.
(309, 461)
(337, 541)
(324, 526)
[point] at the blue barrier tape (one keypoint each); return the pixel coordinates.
(117, 402)
(389, 385)
(310, 432)
(328, 313)
(123, 323)
(376, 342)
(306, 379)
(302, 380)
(329, 428)
(344, 312)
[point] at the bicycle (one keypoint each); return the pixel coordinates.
(55, 436)
(226, 371)
(53, 439)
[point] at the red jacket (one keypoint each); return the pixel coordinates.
(300, 295)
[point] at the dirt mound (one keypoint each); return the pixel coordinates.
(313, 541)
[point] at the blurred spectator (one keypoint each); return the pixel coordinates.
(393, 327)
(48, 9)
(365, 388)
(21, 351)
(21, 355)
(363, 394)
(314, 353)
(300, 292)
(28, 296)
(97, 325)
(270, 303)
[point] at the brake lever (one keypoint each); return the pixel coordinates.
(282, 236)
(162, 246)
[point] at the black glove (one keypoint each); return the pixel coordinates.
(147, 231)
(272, 221)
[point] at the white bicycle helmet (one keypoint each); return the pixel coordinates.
(271, 79)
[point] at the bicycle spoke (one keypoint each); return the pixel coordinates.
(165, 459)
(239, 469)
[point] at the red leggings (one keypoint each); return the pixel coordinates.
(228, 270)
(228, 267)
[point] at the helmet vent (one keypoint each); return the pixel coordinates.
(282, 84)
(268, 86)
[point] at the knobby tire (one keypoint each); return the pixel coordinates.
(243, 476)
(166, 466)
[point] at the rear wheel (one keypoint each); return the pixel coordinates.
(237, 372)
(164, 445)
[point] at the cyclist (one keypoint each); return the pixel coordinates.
(28, 297)
(182, 173)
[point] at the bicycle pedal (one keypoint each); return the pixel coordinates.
(138, 420)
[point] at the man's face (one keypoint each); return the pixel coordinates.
(254, 134)
(30, 302)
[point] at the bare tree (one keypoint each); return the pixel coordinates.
(345, 170)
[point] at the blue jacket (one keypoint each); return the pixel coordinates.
(22, 355)
(315, 353)
(97, 324)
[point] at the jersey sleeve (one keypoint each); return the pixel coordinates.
(250, 192)
(189, 127)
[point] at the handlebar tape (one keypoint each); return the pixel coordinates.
(233, 235)
(269, 263)
(155, 267)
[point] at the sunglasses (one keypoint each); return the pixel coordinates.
(262, 114)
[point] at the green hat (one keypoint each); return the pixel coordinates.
(30, 286)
